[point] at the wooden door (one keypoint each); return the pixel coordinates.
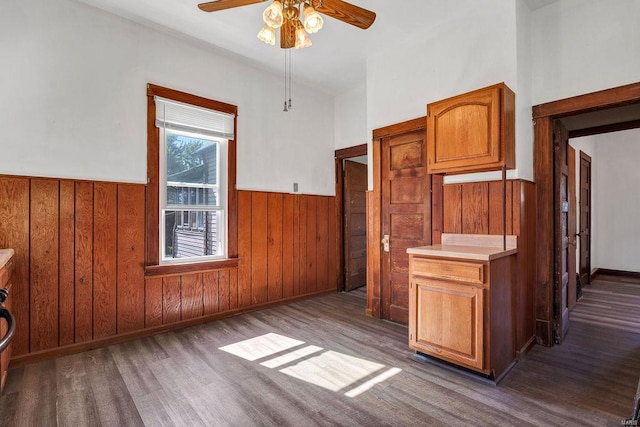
(585, 219)
(565, 255)
(355, 225)
(572, 294)
(406, 216)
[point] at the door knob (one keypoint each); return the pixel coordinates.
(385, 242)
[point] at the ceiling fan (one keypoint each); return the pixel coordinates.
(297, 18)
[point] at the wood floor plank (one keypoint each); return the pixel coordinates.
(114, 403)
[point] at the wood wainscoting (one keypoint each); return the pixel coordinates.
(476, 208)
(80, 274)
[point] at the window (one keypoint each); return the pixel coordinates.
(191, 158)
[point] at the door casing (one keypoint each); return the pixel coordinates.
(374, 211)
(544, 171)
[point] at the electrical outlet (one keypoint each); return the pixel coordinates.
(295, 187)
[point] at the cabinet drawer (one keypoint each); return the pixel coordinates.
(450, 270)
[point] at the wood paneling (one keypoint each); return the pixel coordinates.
(105, 211)
(288, 248)
(191, 302)
(312, 236)
(66, 302)
(84, 262)
(302, 247)
(452, 201)
(223, 290)
(171, 299)
(210, 292)
(274, 246)
(43, 301)
(259, 288)
(244, 249)
(153, 302)
(131, 221)
(476, 204)
(82, 244)
(476, 208)
(496, 216)
(333, 244)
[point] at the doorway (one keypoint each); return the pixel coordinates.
(584, 233)
(599, 112)
(400, 214)
(351, 187)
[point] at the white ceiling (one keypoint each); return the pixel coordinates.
(334, 63)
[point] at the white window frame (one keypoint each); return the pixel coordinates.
(222, 207)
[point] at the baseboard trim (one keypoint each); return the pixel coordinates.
(520, 354)
(620, 273)
(67, 350)
(544, 332)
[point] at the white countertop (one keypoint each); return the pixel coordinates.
(469, 246)
(478, 253)
(5, 255)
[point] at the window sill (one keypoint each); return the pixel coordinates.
(193, 267)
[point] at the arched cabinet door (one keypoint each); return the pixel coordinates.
(472, 132)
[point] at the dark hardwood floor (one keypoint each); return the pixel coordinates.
(320, 362)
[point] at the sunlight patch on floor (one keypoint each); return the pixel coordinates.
(332, 370)
(262, 346)
(328, 369)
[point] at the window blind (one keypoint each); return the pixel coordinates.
(187, 118)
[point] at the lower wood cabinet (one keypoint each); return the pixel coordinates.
(5, 282)
(461, 311)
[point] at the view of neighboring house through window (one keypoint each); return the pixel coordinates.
(193, 181)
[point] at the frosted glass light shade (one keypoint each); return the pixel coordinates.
(267, 35)
(272, 15)
(312, 20)
(302, 38)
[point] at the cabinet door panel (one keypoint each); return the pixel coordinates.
(449, 321)
(472, 131)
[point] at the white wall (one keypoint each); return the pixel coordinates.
(351, 117)
(615, 198)
(524, 91)
(582, 46)
(615, 219)
(73, 84)
(477, 49)
(587, 144)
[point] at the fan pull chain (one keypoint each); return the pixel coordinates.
(287, 80)
(289, 52)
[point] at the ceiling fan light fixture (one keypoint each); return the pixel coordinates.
(272, 15)
(268, 35)
(312, 19)
(302, 38)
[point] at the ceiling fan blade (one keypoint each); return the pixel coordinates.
(214, 6)
(346, 12)
(288, 35)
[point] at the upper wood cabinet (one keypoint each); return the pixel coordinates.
(472, 132)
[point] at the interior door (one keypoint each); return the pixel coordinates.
(585, 219)
(406, 216)
(355, 225)
(564, 247)
(572, 294)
